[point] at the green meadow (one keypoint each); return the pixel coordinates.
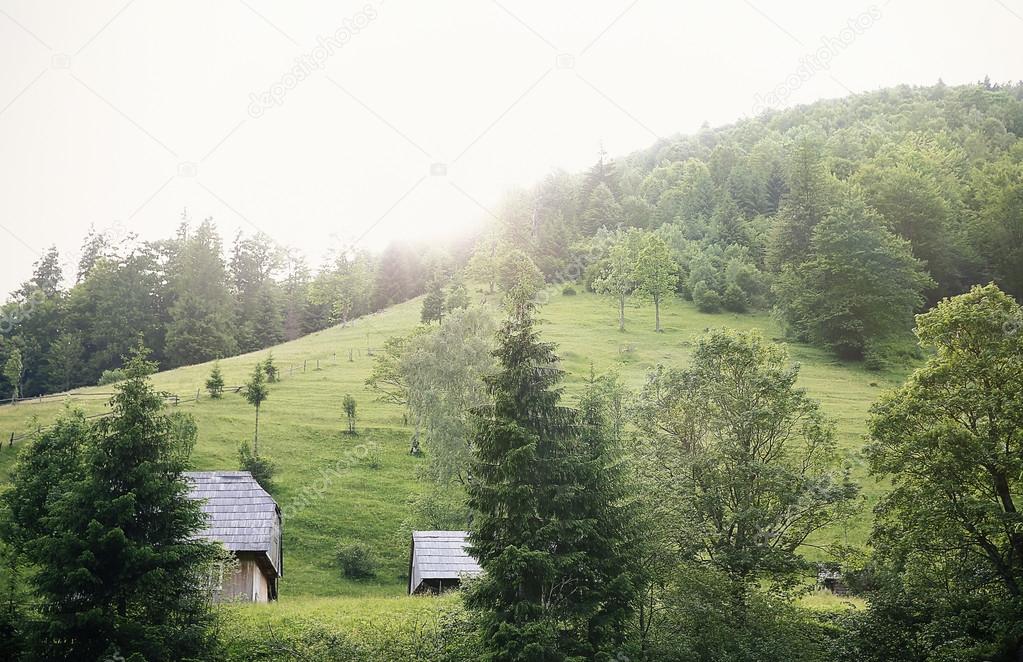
(333, 485)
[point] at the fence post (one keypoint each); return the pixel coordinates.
(11, 442)
(197, 395)
(317, 364)
(303, 365)
(350, 358)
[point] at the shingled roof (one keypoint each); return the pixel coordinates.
(440, 555)
(240, 513)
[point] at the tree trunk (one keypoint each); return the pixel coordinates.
(255, 438)
(621, 312)
(657, 314)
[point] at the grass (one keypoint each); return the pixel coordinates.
(302, 423)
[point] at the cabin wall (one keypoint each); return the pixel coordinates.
(248, 584)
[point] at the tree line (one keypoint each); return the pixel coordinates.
(187, 301)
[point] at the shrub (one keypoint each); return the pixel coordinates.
(706, 299)
(568, 290)
(356, 558)
(261, 467)
(111, 377)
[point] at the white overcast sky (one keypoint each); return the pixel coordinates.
(122, 113)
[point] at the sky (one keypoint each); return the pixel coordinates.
(329, 124)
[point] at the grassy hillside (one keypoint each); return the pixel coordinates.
(365, 497)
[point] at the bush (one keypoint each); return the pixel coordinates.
(111, 377)
(568, 290)
(706, 299)
(261, 467)
(356, 558)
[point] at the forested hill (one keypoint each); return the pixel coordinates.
(846, 216)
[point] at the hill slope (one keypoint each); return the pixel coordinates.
(358, 486)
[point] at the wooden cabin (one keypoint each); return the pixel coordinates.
(439, 560)
(247, 521)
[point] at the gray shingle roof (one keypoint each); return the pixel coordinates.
(240, 513)
(440, 555)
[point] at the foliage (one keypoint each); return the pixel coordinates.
(255, 393)
(433, 302)
(101, 511)
(742, 462)
(568, 290)
(444, 371)
(860, 285)
(111, 377)
(270, 369)
(348, 404)
(948, 534)
(201, 325)
(356, 559)
(262, 467)
(13, 371)
(215, 382)
(655, 273)
(518, 278)
(618, 276)
(546, 527)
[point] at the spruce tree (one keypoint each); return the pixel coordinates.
(554, 582)
(111, 533)
(215, 383)
(433, 302)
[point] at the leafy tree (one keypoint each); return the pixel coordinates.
(618, 277)
(349, 407)
(112, 533)
(656, 274)
(458, 296)
(262, 467)
(13, 371)
(518, 277)
(949, 535)
(256, 392)
(215, 382)
(388, 377)
(482, 265)
(444, 371)
(433, 302)
(743, 463)
(556, 582)
(64, 361)
(861, 284)
(200, 326)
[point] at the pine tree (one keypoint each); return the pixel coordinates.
(112, 533)
(552, 579)
(215, 383)
(200, 326)
(256, 391)
(271, 369)
(433, 303)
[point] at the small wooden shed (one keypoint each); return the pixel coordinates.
(439, 560)
(246, 519)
